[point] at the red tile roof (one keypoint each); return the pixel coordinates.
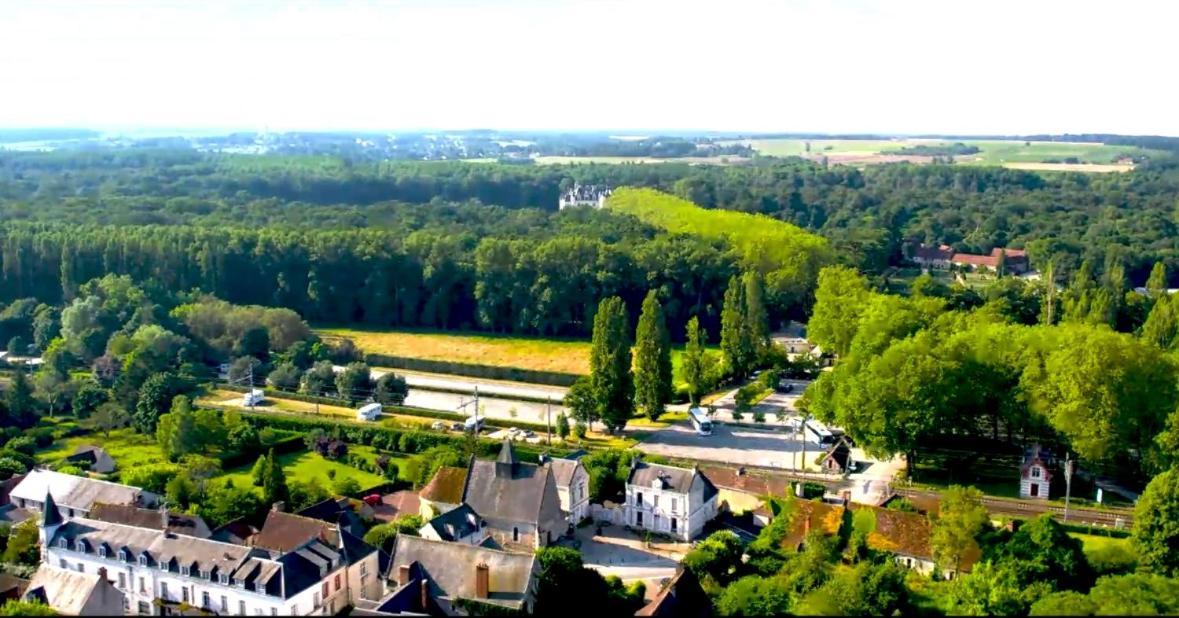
(745, 482)
(989, 261)
(396, 504)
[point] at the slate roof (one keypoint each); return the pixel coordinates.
(238, 532)
(682, 596)
(66, 591)
(450, 570)
(563, 470)
(95, 457)
(643, 474)
(455, 523)
(446, 486)
(180, 523)
(506, 489)
(77, 492)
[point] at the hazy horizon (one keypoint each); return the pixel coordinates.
(745, 66)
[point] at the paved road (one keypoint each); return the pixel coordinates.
(500, 388)
(731, 445)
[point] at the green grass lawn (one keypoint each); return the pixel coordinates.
(128, 448)
(1097, 543)
(304, 466)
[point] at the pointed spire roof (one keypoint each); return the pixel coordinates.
(50, 515)
(506, 454)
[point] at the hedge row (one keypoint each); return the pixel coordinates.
(472, 370)
(393, 439)
(293, 444)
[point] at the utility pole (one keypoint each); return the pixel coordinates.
(474, 401)
(548, 419)
(1068, 482)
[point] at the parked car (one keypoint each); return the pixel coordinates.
(438, 426)
(784, 387)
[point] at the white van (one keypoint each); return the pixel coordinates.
(253, 398)
(369, 412)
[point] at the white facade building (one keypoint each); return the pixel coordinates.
(572, 488)
(75, 495)
(159, 570)
(593, 196)
(669, 500)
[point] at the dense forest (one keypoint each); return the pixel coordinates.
(461, 245)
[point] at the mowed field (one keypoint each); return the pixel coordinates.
(1092, 157)
(559, 355)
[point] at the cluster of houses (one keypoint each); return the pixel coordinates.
(1014, 261)
(114, 549)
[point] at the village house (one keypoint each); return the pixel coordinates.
(72, 593)
(572, 488)
(93, 459)
(461, 525)
(838, 459)
(1015, 261)
(682, 596)
(295, 565)
(593, 196)
(739, 491)
(1035, 473)
(668, 500)
(443, 493)
(516, 502)
(932, 257)
(436, 578)
(75, 495)
(162, 519)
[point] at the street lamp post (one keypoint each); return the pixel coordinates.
(1068, 482)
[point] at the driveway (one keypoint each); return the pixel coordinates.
(773, 405)
(622, 553)
(733, 445)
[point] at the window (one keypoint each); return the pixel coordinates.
(274, 611)
(142, 587)
(673, 505)
(205, 575)
(102, 551)
(639, 499)
(224, 604)
(364, 568)
(205, 600)
(337, 582)
(184, 594)
(80, 546)
(63, 564)
(325, 589)
(655, 501)
(164, 590)
(164, 564)
(81, 568)
(64, 544)
(673, 524)
(223, 578)
(515, 534)
(122, 556)
(639, 519)
(184, 571)
(241, 608)
(1035, 472)
(122, 581)
(144, 608)
(314, 601)
(143, 561)
(126, 604)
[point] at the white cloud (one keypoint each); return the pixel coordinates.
(887, 66)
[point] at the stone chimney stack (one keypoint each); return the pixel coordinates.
(279, 506)
(424, 595)
(482, 580)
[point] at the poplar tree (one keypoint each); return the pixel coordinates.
(735, 342)
(274, 483)
(653, 387)
(757, 321)
(694, 367)
(611, 380)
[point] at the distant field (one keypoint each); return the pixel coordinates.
(560, 355)
(1016, 154)
(722, 160)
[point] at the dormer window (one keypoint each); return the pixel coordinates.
(64, 544)
(205, 575)
(1035, 472)
(164, 565)
(184, 571)
(142, 560)
(80, 546)
(224, 579)
(102, 551)
(122, 555)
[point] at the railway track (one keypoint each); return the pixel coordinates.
(1113, 517)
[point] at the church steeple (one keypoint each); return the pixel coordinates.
(50, 515)
(505, 464)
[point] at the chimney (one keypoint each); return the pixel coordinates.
(741, 471)
(482, 580)
(425, 595)
(102, 572)
(279, 506)
(806, 526)
(403, 575)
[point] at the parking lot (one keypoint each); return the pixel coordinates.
(733, 445)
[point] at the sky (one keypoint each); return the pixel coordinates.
(862, 66)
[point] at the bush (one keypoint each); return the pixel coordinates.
(22, 444)
(43, 436)
(153, 478)
(471, 370)
(346, 486)
(759, 416)
(10, 467)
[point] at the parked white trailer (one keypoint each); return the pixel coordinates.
(253, 398)
(369, 412)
